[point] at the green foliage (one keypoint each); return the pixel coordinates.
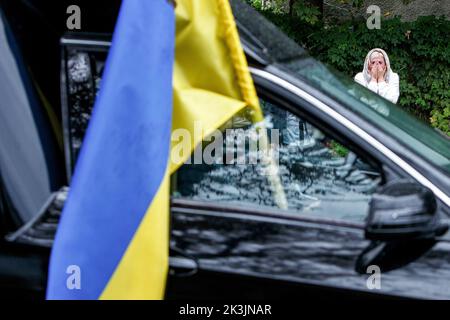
(419, 52)
(306, 12)
(359, 3)
(257, 4)
(300, 10)
(339, 149)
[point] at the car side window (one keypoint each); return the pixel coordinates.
(319, 176)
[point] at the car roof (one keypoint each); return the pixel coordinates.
(263, 42)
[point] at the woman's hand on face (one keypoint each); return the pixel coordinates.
(381, 73)
(377, 67)
(377, 73)
(374, 74)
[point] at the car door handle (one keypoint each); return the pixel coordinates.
(181, 264)
(182, 267)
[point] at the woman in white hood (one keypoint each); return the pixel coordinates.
(378, 76)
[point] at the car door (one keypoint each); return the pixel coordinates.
(229, 238)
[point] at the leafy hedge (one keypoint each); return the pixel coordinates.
(419, 52)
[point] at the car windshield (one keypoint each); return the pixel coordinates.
(412, 132)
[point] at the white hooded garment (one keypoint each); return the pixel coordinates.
(389, 88)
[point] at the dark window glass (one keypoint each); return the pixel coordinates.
(319, 176)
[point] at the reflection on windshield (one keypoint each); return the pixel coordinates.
(412, 132)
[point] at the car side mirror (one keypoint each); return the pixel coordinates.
(402, 225)
(402, 210)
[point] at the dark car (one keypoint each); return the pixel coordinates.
(367, 185)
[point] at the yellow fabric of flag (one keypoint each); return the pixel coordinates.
(211, 83)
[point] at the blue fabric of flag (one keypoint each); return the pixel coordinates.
(124, 154)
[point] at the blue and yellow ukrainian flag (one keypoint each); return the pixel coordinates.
(166, 69)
